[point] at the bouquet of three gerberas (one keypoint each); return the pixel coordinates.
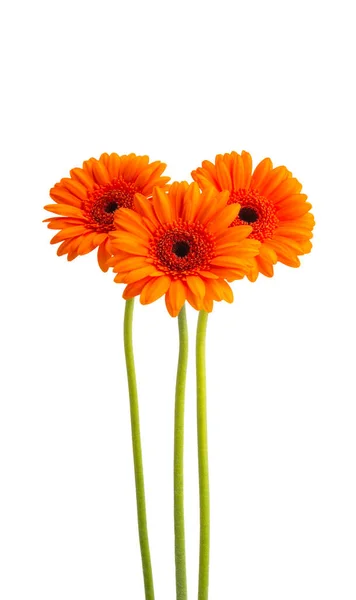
(186, 242)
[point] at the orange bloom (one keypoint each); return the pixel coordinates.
(90, 198)
(271, 203)
(180, 245)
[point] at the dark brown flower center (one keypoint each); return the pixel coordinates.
(181, 248)
(111, 206)
(105, 200)
(256, 210)
(248, 214)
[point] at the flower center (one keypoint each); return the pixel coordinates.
(105, 200)
(182, 248)
(257, 211)
(111, 207)
(248, 214)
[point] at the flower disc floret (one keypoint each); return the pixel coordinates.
(181, 248)
(257, 211)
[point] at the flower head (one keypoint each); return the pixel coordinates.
(180, 245)
(270, 202)
(88, 200)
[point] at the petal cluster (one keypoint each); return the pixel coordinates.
(270, 201)
(87, 201)
(181, 245)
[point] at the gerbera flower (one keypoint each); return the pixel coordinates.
(180, 245)
(89, 199)
(271, 203)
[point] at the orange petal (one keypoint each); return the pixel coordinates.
(197, 285)
(193, 300)
(63, 222)
(162, 205)
(207, 304)
(294, 231)
(127, 219)
(64, 209)
(73, 251)
(191, 202)
(223, 174)
(288, 243)
(294, 211)
(75, 188)
(204, 183)
(293, 199)
(175, 297)
(306, 246)
(87, 243)
(124, 265)
(228, 261)
(134, 289)
(209, 170)
(159, 182)
(273, 180)
(208, 275)
(224, 218)
(129, 168)
(100, 173)
(230, 273)
(264, 266)
(176, 194)
(145, 207)
(237, 249)
(100, 237)
(113, 165)
(208, 205)
(238, 172)
(67, 233)
(286, 188)
(137, 274)
(61, 195)
(268, 254)
(285, 255)
(104, 158)
(129, 243)
(252, 273)
(154, 289)
(65, 246)
(260, 173)
(220, 290)
(233, 234)
(141, 165)
(247, 160)
(146, 180)
(306, 220)
(144, 177)
(103, 256)
(82, 177)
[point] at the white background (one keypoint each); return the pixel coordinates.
(181, 82)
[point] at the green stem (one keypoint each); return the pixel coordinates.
(203, 459)
(137, 452)
(179, 532)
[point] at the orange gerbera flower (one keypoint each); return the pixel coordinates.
(180, 245)
(271, 203)
(89, 199)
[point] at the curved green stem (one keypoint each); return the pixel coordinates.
(137, 452)
(203, 459)
(179, 532)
